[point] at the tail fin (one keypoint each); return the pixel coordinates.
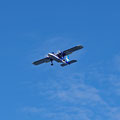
(67, 58)
(70, 62)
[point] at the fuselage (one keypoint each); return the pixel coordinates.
(56, 58)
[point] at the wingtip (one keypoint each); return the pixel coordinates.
(81, 46)
(33, 63)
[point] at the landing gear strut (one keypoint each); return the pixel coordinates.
(51, 62)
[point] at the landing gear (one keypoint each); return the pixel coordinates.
(51, 62)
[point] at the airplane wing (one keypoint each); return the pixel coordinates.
(44, 60)
(69, 51)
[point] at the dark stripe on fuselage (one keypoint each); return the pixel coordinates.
(54, 57)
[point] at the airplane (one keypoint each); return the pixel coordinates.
(60, 57)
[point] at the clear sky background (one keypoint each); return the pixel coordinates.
(86, 90)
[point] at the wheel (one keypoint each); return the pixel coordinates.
(52, 64)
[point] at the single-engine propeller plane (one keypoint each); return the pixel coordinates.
(60, 57)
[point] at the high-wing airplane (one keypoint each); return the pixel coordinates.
(60, 57)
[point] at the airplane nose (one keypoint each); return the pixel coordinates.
(49, 54)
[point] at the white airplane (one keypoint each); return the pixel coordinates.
(59, 57)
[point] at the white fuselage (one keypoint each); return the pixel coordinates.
(55, 57)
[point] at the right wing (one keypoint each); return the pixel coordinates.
(44, 60)
(69, 51)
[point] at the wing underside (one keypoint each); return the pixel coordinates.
(44, 60)
(69, 51)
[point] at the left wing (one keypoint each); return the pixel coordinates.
(69, 51)
(44, 60)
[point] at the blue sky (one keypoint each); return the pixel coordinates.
(86, 90)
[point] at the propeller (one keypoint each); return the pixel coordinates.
(58, 51)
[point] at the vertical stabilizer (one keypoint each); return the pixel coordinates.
(67, 59)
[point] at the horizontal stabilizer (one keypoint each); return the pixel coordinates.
(70, 62)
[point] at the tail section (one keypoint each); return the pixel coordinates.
(67, 59)
(68, 63)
